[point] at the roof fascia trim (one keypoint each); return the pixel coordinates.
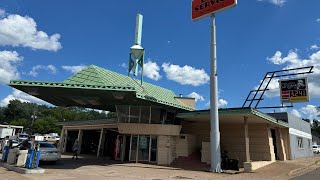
(69, 85)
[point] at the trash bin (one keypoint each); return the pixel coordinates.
(12, 156)
(22, 157)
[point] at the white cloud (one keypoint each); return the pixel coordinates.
(16, 94)
(273, 87)
(318, 20)
(221, 103)
(295, 113)
(8, 66)
(185, 75)
(197, 96)
(277, 59)
(275, 2)
(310, 112)
(73, 69)
(51, 68)
(151, 70)
(314, 47)
(292, 60)
(124, 65)
(16, 30)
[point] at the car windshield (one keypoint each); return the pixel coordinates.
(315, 146)
(23, 136)
(46, 145)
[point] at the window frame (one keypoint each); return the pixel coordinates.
(300, 143)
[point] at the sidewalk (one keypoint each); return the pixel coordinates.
(283, 169)
(97, 168)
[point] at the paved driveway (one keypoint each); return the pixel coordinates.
(94, 168)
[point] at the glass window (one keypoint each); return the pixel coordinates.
(134, 114)
(143, 151)
(145, 115)
(123, 112)
(154, 147)
(300, 142)
(156, 116)
(170, 118)
(134, 142)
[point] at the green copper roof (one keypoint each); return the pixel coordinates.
(95, 75)
(97, 79)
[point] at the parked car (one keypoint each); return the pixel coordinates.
(316, 149)
(51, 137)
(22, 136)
(49, 152)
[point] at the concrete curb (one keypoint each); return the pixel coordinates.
(22, 170)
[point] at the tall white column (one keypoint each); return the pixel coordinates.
(214, 114)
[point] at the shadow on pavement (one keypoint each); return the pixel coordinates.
(66, 162)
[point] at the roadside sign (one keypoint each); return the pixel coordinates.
(294, 90)
(204, 8)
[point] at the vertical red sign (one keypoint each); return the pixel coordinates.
(204, 8)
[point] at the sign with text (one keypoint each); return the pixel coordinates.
(294, 90)
(204, 8)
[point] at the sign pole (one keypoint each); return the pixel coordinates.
(214, 114)
(201, 9)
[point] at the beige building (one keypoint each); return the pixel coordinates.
(247, 134)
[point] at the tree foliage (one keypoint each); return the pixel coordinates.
(44, 119)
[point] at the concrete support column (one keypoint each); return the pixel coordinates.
(280, 145)
(271, 147)
(101, 143)
(61, 141)
(246, 136)
(80, 134)
(64, 146)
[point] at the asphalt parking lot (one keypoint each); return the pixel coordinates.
(90, 167)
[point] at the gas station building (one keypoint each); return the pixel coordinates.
(154, 125)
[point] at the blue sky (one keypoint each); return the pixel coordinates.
(50, 40)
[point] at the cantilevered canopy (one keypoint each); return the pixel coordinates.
(98, 88)
(233, 115)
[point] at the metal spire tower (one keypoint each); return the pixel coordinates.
(136, 56)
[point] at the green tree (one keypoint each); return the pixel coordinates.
(46, 125)
(21, 122)
(112, 114)
(44, 119)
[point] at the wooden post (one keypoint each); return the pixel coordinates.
(65, 139)
(246, 136)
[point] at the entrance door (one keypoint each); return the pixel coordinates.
(143, 148)
(153, 149)
(133, 147)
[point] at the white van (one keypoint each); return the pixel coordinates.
(316, 149)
